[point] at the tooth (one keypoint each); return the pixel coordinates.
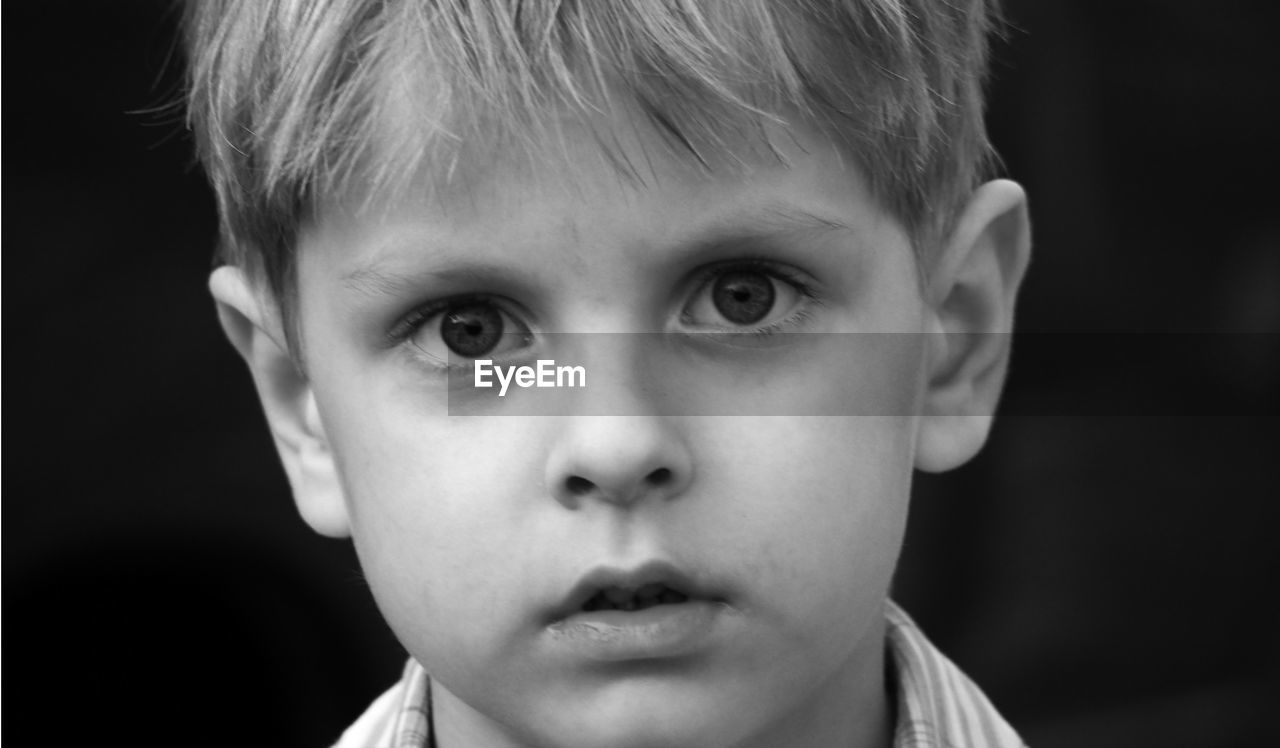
(617, 595)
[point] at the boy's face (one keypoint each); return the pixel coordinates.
(763, 542)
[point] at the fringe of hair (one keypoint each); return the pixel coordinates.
(291, 100)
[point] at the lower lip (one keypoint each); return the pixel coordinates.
(652, 633)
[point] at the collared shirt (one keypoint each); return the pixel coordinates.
(937, 705)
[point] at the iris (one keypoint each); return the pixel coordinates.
(471, 329)
(744, 297)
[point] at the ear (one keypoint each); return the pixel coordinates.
(252, 324)
(970, 299)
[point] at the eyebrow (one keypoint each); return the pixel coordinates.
(373, 280)
(761, 227)
(784, 216)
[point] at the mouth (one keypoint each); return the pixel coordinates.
(621, 598)
(650, 612)
(640, 588)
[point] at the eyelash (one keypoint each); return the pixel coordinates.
(776, 271)
(411, 323)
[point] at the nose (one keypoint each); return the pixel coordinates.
(618, 460)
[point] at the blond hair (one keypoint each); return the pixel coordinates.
(287, 98)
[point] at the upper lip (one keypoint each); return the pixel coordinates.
(630, 578)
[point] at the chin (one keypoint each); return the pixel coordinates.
(661, 715)
(644, 731)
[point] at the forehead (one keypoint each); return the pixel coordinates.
(609, 172)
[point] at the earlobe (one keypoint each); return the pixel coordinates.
(971, 297)
(318, 491)
(253, 327)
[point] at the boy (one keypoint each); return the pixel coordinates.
(417, 195)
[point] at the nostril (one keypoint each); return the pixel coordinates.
(578, 486)
(659, 477)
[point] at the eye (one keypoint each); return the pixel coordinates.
(472, 329)
(749, 296)
(466, 328)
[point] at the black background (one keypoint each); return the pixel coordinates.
(1104, 570)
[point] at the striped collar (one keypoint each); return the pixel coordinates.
(937, 705)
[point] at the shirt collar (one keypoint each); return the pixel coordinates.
(937, 704)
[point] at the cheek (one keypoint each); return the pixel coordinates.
(821, 501)
(437, 506)
(825, 496)
(811, 510)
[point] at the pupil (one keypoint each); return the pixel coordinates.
(743, 297)
(472, 329)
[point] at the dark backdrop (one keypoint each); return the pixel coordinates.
(1105, 569)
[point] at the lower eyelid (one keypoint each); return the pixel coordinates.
(447, 366)
(802, 314)
(403, 336)
(803, 287)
